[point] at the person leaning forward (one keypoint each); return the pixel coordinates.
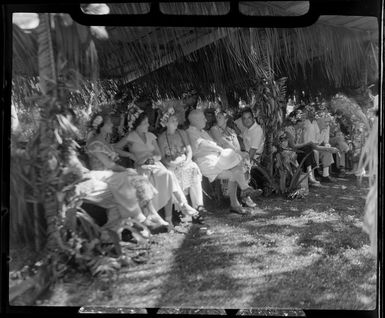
(216, 162)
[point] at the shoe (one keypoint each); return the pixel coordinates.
(160, 229)
(248, 202)
(314, 183)
(250, 192)
(327, 179)
(197, 219)
(188, 210)
(237, 210)
(201, 209)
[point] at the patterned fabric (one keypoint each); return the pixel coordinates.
(100, 147)
(295, 133)
(126, 186)
(173, 146)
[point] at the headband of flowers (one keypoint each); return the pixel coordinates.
(166, 116)
(298, 116)
(219, 111)
(132, 115)
(97, 121)
(309, 108)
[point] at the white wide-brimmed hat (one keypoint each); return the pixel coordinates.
(228, 159)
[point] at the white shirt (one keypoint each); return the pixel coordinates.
(311, 131)
(240, 125)
(254, 137)
(324, 136)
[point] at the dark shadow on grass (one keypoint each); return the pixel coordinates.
(313, 287)
(200, 274)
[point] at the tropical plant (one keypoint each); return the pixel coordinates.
(287, 177)
(369, 161)
(268, 103)
(41, 171)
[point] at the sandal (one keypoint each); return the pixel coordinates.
(237, 210)
(141, 228)
(202, 209)
(197, 219)
(249, 202)
(250, 192)
(188, 210)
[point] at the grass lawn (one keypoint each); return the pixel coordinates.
(308, 253)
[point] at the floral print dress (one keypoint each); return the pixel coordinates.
(128, 187)
(174, 146)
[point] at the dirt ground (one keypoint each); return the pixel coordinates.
(307, 253)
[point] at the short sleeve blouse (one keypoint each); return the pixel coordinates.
(138, 147)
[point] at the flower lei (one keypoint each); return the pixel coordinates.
(166, 116)
(132, 114)
(97, 121)
(309, 108)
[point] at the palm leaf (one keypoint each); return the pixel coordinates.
(46, 57)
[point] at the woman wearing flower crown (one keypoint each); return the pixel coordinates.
(177, 154)
(147, 156)
(227, 138)
(127, 186)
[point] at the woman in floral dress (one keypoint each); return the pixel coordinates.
(146, 155)
(133, 192)
(177, 156)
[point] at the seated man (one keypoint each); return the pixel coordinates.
(253, 140)
(339, 142)
(216, 162)
(253, 136)
(312, 133)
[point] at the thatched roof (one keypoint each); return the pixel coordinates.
(339, 45)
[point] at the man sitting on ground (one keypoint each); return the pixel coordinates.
(216, 162)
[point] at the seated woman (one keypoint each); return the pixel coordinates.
(133, 192)
(176, 155)
(217, 162)
(147, 156)
(226, 137)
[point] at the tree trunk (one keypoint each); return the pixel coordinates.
(267, 160)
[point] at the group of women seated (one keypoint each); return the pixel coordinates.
(163, 172)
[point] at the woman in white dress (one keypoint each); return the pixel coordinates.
(176, 153)
(146, 155)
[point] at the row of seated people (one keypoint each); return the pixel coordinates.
(141, 192)
(175, 162)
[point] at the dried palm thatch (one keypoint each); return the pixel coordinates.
(130, 53)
